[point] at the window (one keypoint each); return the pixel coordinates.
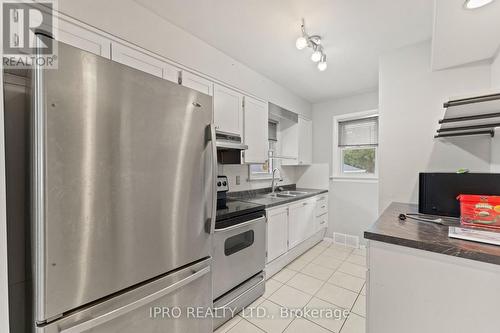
(263, 171)
(356, 145)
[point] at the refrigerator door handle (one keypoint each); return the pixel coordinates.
(214, 178)
(92, 323)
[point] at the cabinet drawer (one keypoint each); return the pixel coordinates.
(321, 205)
(321, 221)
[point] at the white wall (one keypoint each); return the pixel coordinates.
(411, 103)
(495, 72)
(323, 114)
(132, 22)
(495, 144)
(353, 204)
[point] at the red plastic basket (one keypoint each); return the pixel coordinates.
(480, 210)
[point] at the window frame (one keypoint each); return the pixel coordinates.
(337, 157)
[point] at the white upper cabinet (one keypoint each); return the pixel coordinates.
(82, 38)
(289, 142)
(305, 141)
(197, 83)
(228, 110)
(296, 142)
(256, 118)
(143, 62)
(277, 232)
(171, 73)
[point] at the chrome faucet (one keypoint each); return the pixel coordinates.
(273, 183)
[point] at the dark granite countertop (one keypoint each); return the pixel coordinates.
(427, 236)
(260, 196)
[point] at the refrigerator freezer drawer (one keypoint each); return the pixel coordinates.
(145, 309)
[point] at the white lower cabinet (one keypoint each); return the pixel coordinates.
(277, 232)
(321, 212)
(291, 224)
(300, 221)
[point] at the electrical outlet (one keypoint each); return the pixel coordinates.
(238, 181)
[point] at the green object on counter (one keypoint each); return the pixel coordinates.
(463, 171)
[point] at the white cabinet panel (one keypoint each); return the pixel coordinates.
(321, 222)
(228, 110)
(296, 142)
(277, 232)
(83, 39)
(143, 62)
(297, 223)
(321, 205)
(289, 142)
(309, 228)
(301, 221)
(171, 73)
(197, 83)
(305, 141)
(255, 131)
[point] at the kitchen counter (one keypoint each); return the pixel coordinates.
(260, 196)
(427, 236)
(419, 280)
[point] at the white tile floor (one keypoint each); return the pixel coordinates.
(325, 277)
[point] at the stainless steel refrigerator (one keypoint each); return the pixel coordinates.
(122, 198)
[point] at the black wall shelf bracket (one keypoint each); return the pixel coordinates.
(446, 135)
(468, 118)
(472, 100)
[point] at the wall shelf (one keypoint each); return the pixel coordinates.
(471, 115)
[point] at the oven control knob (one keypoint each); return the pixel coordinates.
(219, 184)
(224, 183)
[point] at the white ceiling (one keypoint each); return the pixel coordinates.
(262, 34)
(464, 36)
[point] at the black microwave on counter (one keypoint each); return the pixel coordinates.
(438, 191)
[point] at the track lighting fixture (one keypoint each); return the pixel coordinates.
(322, 63)
(313, 42)
(475, 4)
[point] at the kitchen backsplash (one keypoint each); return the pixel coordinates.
(288, 176)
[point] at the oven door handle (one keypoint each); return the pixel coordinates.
(241, 225)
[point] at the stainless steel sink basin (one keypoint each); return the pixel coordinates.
(295, 193)
(281, 195)
(286, 194)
